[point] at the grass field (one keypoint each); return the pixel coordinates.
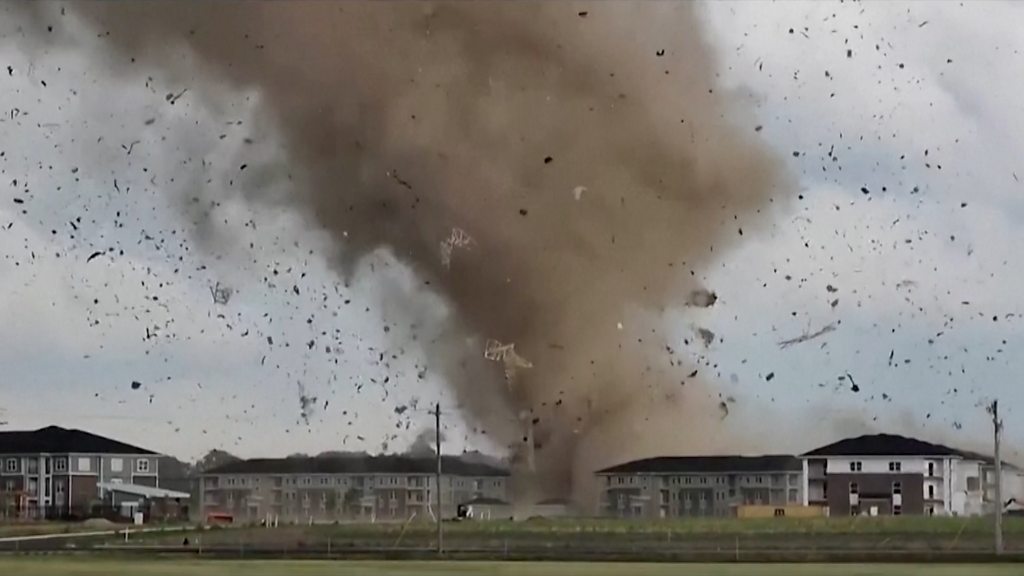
(93, 567)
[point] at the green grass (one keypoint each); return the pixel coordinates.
(40, 528)
(710, 526)
(92, 567)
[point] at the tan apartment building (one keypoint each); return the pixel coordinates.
(360, 487)
(682, 486)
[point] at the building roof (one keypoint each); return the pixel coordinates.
(359, 464)
(140, 490)
(485, 501)
(890, 445)
(707, 464)
(57, 440)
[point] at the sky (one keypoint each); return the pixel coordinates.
(900, 121)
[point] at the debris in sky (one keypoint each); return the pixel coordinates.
(853, 384)
(136, 384)
(578, 191)
(769, 377)
(457, 239)
(94, 256)
(701, 298)
(506, 354)
(809, 335)
(221, 294)
(707, 336)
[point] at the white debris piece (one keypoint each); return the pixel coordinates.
(506, 354)
(578, 191)
(457, 239)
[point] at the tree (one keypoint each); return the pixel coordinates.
(213, 459)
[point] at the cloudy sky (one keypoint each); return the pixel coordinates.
(902, 122)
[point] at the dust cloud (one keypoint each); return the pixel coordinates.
(560, 173)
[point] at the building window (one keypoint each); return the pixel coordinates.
(931, 491)
(854, 488)
(703, 480)
(12, 465)
(9, 486)
(688, 481)
(60, 464)
(897, 510)
(142, 465)
(973, 484)
(895, 466)
(792, 495)
(116, 464)
(897, 488)
(856, 466)
(323, 481)
(931, 468)
(306, 481)
(84, 464)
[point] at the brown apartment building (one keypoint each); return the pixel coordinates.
(54, 472)
(324, 489)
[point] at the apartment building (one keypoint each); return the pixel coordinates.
(349, 487)
(888, 474)
(56, 472)
(681, 486)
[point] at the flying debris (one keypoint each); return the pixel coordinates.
(506, 354)
(808, 336)
(458, 238)
(701, 298)
(221, 294)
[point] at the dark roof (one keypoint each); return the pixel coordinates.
(387, 464)
(889, 445)
(707, 464)
(57, 440)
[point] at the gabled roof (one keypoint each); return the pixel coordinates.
(707, 464)
(57, 440)
(359, 464)
(889, 445)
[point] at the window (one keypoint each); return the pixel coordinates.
(897, 488)
(306, 481)
(142, 465)
(116, 464)
(688, 481)
(931, 491)
(854, 488)
(231, 481)
(856, 466)
(9, 486)
(792, 495)
(897, 510)
(12, 465)
(973, 484)
(323, 481)
(84, 464)
(703, 480)
(779, 512)
(931, 468)
(895, 466)
(60, 464)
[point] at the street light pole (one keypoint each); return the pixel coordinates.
(437, 488)
(997, 427)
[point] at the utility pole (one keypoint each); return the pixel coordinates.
(437, 488)
(997, 426)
